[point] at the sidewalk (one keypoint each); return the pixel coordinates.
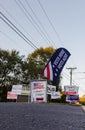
(83, 107)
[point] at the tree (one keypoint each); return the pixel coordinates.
(38, 59)
(15, 69)
(10, 71)
(10, 67)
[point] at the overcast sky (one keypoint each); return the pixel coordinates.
(57, 23)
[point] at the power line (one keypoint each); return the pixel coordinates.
(74, 83)
(15, 31)
(38, 20)
(13, 41)
(49, 21)
(17, 22)
(14, 28)
(7, 36)
(79, 87)
(31, 19)
(34, 21)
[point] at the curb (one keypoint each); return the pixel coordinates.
(83, 107)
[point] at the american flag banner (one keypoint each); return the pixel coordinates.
(56, 63)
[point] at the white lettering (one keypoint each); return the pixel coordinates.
(60, 64)
(61, 53)
(56, 61)
(65, 57)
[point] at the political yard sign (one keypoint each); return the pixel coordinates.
(71, 93)
(71, 90)
(38, 91)
(51, 89)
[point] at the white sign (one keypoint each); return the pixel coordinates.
(51, 89)
(38, 91)
(55, 95)
(17, 89)
(71, 90)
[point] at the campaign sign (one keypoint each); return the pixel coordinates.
(71, 90)
(38, 91)
(51, 89)
(17, 89)
(71, 98)
(55, 95)
(11, 95)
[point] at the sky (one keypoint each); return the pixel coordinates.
(56, 23)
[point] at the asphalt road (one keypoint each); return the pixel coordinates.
(21, 116)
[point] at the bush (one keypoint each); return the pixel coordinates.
(63, 98)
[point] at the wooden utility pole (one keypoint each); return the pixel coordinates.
(71, 72)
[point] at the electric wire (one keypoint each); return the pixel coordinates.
(50, 22)
(13, 41)
(31, 19)
(39, 27)
(13, 27)
(15, 31)
(24, 12)
(73, 82)
(38, 21)
(17, 23)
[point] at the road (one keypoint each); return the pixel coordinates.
(23, 116)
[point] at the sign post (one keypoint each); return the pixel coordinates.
(71, 93)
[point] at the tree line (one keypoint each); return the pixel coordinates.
(16, 69)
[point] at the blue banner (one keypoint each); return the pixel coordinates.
(56, 63)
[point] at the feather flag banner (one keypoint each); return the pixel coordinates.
(55, 64)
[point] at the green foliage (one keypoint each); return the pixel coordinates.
(14, 69)
(10, 67)
(41, 56)
(38, 59)
(63, 98)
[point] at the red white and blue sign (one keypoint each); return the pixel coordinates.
(38, 91)
(55, 64)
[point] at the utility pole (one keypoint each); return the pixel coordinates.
(71, 72)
